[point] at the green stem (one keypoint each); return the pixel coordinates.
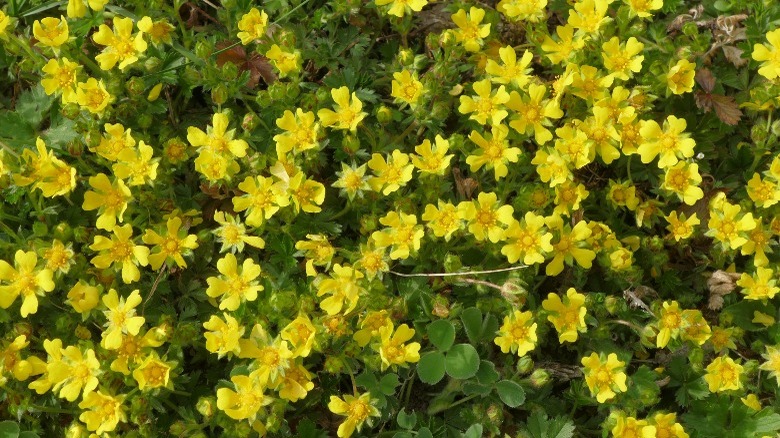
(343, 211)
(405, 133)
(461, 401)
(51, 410)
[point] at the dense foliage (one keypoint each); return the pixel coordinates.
(530, 218)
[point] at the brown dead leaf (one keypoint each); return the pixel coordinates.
(257, 65)
(705, 79)
(734, 55)
(464, 186)
(726, 108)
(721, 283)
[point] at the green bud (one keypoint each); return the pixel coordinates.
(219, 94)
(323, 95)
(203, 49)
(384, 114)
(206, 406)
(152, 64)
(250, 122)
(263, 98)
(525, 364)
(135, 86)
(440, 111)
(145, 120)
(690, 29)
(776, 128)
(441, 306)
(539, 377)
(293, 89)
(75, 147)
(405, 57)
(70, 111)
(333, 365)
(178, 428)
(191, 75)
(495, 413)
(612, 304)
(277, 91)
(638, 27)
(350, 144)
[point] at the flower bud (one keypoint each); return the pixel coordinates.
(539, 377)
(690, 29)
(135, 86)
(70, 111)
(350, 144)
(525, 364)
(277, 91)
(152, 64)
(441, 306)
(203, 49)
(384, 114)
(333, 365)
(249, 122)
(206, 406)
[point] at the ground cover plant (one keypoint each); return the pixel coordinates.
(396, 218)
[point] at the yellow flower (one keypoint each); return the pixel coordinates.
(285, 62)
(517, 334)
(78, 8)
(670, 143)
(432, 160)
(485, 217)
(670, 323)
(261, 199)
(105, 412)
(523, 10)
(93, 96)
(370, 325)
(562, 50)
(83, 297)
(695, 327)
(318, 251)
(75, 370)
(511, 72)
(235, 285)
(61, 78)
(568, 197)
(392, 348)
(770, 54)
(137, 165)
(752, 402)
(352, 181)
(116, 140)
(271, 355)
(343, 286)
(121, 318)
(223, 336)
(759, 286)
(392, 174)
(300, 132)
(403, 234)
(217, 146)
(589, 15)
(348, 114)
(442, 220)
(471, 32)
(567, 315)
(589, 84)
(723, 374)
(643, 8)
(527, 240)
(300, 333)
(372, 261)
(406, 87)
(772, 363)
(25, 280)
(120, 251)
(121, 46)
(552, 167)
(306, 194)
(51, 32)
(494, 153)
(533, 113)
(171, 247)
(683, 179)
(764, 193)
(402, 7)
(600, 131)
(46, 172)
(252, 26)
(680, 226)
(153, 373)
(763, 319)
(159, 31)
(630, 427)
(5, 22)
(604, 378)
(295, 384)
(759, 244)
(485, 105)
(571, 245)
(247, 399)
(666, 426)
(679, 79)
(622, 60)
(725, 226)
(11, 361)
(232, 233)
(358, 410)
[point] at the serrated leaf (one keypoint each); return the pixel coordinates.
(511, 393)
(33, 104)
(487, 373)
(406, 421)
(60, 134)
(471, 388)
(472, 323)
(726, 108)
(367, 380)
(307, 429)
(462, 361)
(388, 383)
(441, 334)
(431, 367)
(474, 431)
(560, 427)
(9, 429)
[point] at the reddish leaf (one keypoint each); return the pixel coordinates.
(726, 109)
(257, 65)
(705, 79)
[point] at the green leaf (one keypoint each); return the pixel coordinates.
(430, 368)
(462, 361)
(475, 431)
(442, 334)
(424, 432)
(487, 373)
(9, 429)
(471, 388)
(406, 421)
(61, 134)
(511, 393)
(388, 383)
(28, 434)
(33, 104)
(472, 323)
(307, 429)
(403, 435)
(540, 427)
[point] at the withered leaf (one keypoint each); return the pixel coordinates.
(720, 283)
(734, 55)
(726, 108)
(705, 79)
(257, 65)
